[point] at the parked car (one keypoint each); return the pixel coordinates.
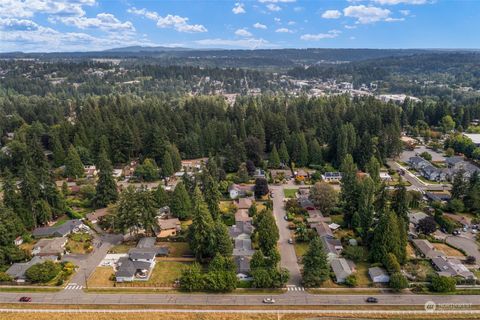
(25, 299)
(372, 300)
(269, 300)
(290, 241)
(456, 232)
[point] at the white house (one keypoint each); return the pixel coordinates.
(378, 275)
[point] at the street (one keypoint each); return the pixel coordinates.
(287, 251)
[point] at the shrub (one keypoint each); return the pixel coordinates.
(398, 281)
(43, 272)
(351, 280)
(443, 284)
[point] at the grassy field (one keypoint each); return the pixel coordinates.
(164, 274)
(29, 289)
(101, 277)
(363, 279)
(290, 193)
(449, 251)
(122, 248)
(300, 248)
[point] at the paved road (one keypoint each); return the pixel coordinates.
(287, 251)
(79, 297)
(415, 181)
(87, 263)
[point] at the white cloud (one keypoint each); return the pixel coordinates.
(394, 19)
(239, 8)
(243, 33)
(394, 2)
(170, 21)
(319, 36)
(251, 43)
(405, 12)
(103, 21)
(365, 14)
(27, 9)
(350, 27)
(277, 20)
(331, 14)
(298, 9)
(273, 7)
(283, 30)
(258, 25)
(28, 36)
(291, 23)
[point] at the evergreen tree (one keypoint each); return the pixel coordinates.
(167, 165)
(211, 194)
(459, 186)
(283, 153)
(223, 242)
(201, 231)
(315, 266)
(267, 232)
(106, 189)
(73, 164)
(387, 239)
(274, 159)
(58, 152)
(162, 198)
(373, 169)
(180, 202)
(366, 200)
(315, 151)
(349, 192)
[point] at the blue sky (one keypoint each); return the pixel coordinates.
(85, 25)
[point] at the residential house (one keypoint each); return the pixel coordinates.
(452, 268)
(62, 230)
(97, 215)
(452, 162)
(323, 230)
(418, 163)
(435, 174)
(341, 268)
(415, 217)
(384, 176)
(18, 241)
(90, 171)
(17, 271)
(139, 263)
(259, 173)
(240, 233)
(192, 165)
(240, 190)
(243, 203)
(301, 175)
(306, 203)
(378, 275)
(167, 227)
(332, 176)
(475, 137)
(50, 247)
(426, 249)
(333, 247)
(117, 173)
(437, 196)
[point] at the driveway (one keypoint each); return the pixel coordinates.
(87, 263)
(287, 251)
(466, 244)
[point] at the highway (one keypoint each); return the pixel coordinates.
(291, 298)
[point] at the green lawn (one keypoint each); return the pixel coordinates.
(300, 248)
(61, 220)
(122, 248)
(177, 249)
(290, 193)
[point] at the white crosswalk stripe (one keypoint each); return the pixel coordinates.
(73, 286)
(295, 288)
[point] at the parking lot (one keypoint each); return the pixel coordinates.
(407, 154)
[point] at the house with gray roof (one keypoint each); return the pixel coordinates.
(62, 230)
(240, 233)
(378, 275)
(452, 268)
(418, 163)
(17, 270)
(342, 269)
(333, 247)
(50, 247)
(139, 263)
(426, 248)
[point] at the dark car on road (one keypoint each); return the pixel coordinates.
(371, 300)
(25, 299)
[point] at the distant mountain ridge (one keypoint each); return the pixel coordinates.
(147, 49)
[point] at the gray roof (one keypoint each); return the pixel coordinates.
(452, 267)
(417, 160)
(376, 272)
(53, 246)
(242, 263)
(147, 242)
(127, 268)
(58, 231)
(243, 244)
(323, 230)
(341, 268)
(142, 253)
(17, 270)
(330, 245)
(451, 161)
